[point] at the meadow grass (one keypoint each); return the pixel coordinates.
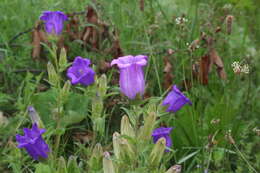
(202, 137)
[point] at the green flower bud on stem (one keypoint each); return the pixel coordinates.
(149, 122)
(126, 128)
(157, 152)
(108, 166)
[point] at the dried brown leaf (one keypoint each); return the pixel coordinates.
(168, 76)
(83, 137)
(142, 5)
(38, 36)
(215, 58)
(72, 28)
(205, 66)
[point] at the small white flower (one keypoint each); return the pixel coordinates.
(245, 69)
(180, 20)
(238, 68)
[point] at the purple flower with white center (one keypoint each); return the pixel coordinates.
(175, 100)
(54, 21)
(131, 74)
(163, 132)
(33, 142)
(80, 72)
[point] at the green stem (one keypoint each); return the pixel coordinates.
(244, 158)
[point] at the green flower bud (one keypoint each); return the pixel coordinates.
(116, 147)
(126, 128)
(157, 152)
(52, 75)
(63, 60)
(146, 130)
(174, 169)
(108, 166)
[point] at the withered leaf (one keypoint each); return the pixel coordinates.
(38, 36)
(168, 76)
(215, 58)
(83, 137)
(72, 27)
(205, 66)
(141, 5)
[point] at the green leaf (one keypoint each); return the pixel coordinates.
(72, 118)
(42, 168)
(188, 157)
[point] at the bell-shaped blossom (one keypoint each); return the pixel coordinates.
(33, 142)
(80, 72)
(163, 132)
(175, 100)
(131, 74)
(54, 21)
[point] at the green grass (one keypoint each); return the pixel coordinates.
(235, 101)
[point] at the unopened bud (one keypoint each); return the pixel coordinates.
(35, 118)
(126, 150)
(108, 166)
(63, 60)
(52, 75)
(149, 122)
(116, 147)
(174, 169)
(157, 152)
(95, 161)
(126, 127)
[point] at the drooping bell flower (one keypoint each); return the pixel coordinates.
(163, 132)
(53, 21)
(131, 74)
(175, 100)
(33, 142)
(80, 72)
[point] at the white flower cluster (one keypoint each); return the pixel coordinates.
(239, 68)
(180, 20)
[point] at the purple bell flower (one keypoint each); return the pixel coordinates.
(80, 72)
(163, 132)
(175, 100)
(131, 74)
(33, 142)
(54, 21)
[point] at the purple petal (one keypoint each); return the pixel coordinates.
(132, 81)
(88, 78)
(53, 21)
(162, 131)
(175, 100)
(80, 72)
(127, 61)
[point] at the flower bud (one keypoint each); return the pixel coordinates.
(96, 158)
(174, 169)
(108, 166)
(35, 118)
(126, 128)
(52, 75)
(116, 139)
(149, 122)
(63, 60)
(126, 150)
(157, 152)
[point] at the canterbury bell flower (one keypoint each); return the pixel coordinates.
(163, 132)
(33, 142)
(131, 74)
(175, 100)
(80, 72)
(53, 21)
